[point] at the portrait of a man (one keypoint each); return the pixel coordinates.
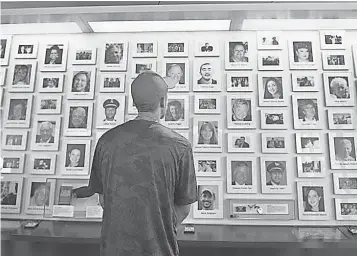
(9, 192)
(22, 75)
(238, 52)
(345, 149)
(54, 55)
(303, 51)
(176, 71)
(46, 130)
(78, 117)
(17, 109)
(207, 199)
(75, 155)
(40, 193)
(241, 173)
(206, 72)
(175, 110)
(339, 88)
(241, 110)
(275, 172)
(113, 53)
(110, 109)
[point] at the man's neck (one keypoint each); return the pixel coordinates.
(149, 116)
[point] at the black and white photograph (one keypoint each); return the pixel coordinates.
(50, 82)
(176, 48)
(345, 183)
(141, 65)
(241, 112)
(47, 131)
(274, 143)
(178, 70)
(14, 139)
(269, 40)
(354, 51)
(85, 56)
(275, 175)
(272, 89)
(207, 165)
(239, 142)
(78, 119)
(39, 195)
(306, 81)
(26, 50)
(208, 104)
(110, 110)
(270, 60)
(3, 73)
(144, 49)
(275, 119)
(12, 162)
(43, 164)
(239, 82)
(332, 39)
(49, 104)
(311, 166)
(210, 200)
(341, 119)
(309, 143)
(302, 54)
(5, 44)
(207, 75)
(23, 76)
(339, 89)
(177, 111)
(238, 53)
(241, 175)
(114, 56)
(207, 134)
(81, 83)
(55, 57)
(11, 192)
(207, 47)
(343, 150)
(335, 60)
(307, 114)
(346, 208)
(111, 82)
(76, 157)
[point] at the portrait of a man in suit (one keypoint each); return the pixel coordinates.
(276, 170)
(46, 133)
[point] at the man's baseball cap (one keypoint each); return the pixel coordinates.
(207, 190)
(275, 166)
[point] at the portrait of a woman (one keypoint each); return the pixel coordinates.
(81, 82)
(40, 193)
(207, 134)
(273, 89)
(313, 199)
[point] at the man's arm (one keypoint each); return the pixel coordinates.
(182, 212)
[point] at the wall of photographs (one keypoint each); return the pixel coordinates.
(271, 117)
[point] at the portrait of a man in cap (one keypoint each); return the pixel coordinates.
(110, 109)
(276, 171)
(206, 200)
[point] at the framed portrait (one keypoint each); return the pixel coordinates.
(144, 49)
(208, 104)
(241, 142)
(335, 60)
(177, 112)
(302, 54)
(47, 131)
(205, 48)
(307, 112)
(11, 194)
(26, 50)
(241, 175)
(239, 82)
(114, 56)
(5, 42)
(207, 134)
(50, 82)
(312, 201)
(43, 164)
(178, 70)
(354, 50)
(269, 40)
(76, 157)
(275, 143)
(81, 83)
(272, 89)
(274, 119)
(140, 65)
(185, 134)
(85, 56)
(345, 183)
(241, 111)
(210, 200)
(206, 75)
(238, 53)
(78, 119)
(306, 81)
(270, 60)
(311, 166)
(309, 143)
(275, 176)
(39, 195)
(341, 119)
(176, 48)
(49, 104)
(208, 165)
(23, 76)
(346, 208)
(3, 72)
(55, 57)
(343, 148)
(12, 163)
(332, 39)
(110, 110)
(339, 90)
(111, 82)
(14, 140)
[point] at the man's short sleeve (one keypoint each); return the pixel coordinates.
(186, 186)
(95, 181)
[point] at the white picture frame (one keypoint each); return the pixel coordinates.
(178, 69)
(207, 75)
(339, 89)
(207, 104)
(23, 75)
(207, 48)
(272, 89)
(335, 60)
(345, 183)
(50, 82)
(274, 119)
(13, 162)
(1, 96)
(274, 143)
(240, 81)
(270, 60)
(177, 111)
(279, 165)
(354, 51)
(245, 53)
(114, 56)
(343, 209)
(85, 56)
(208, 165)
(332, 39)
(144, 49)
(46, 132)
(6, 45)
(311, 166)
(317, 191)
(241, 175)
(140, 65)
(309, 143)
(75, 149)
(175, 48)
(302, 54)
(58, 60)
(34, 204)
(43, 164)
(211, 127)
(26, 49)
(3, 73)
(81, 83)
(14, 140)
(306, 81)
(49, 104)
(11, 194)
(307, 112)
(83, 113)
(339, 144)
(241, 142)
(131, 108)
(212, 193)
(248, 106)
(269, 40)
(341, 119)
(110, 110)
(111, 82)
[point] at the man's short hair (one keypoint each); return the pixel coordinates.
(237, 102)
(55, 47)
(46, 123)
(207, 63)
(175, 103)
